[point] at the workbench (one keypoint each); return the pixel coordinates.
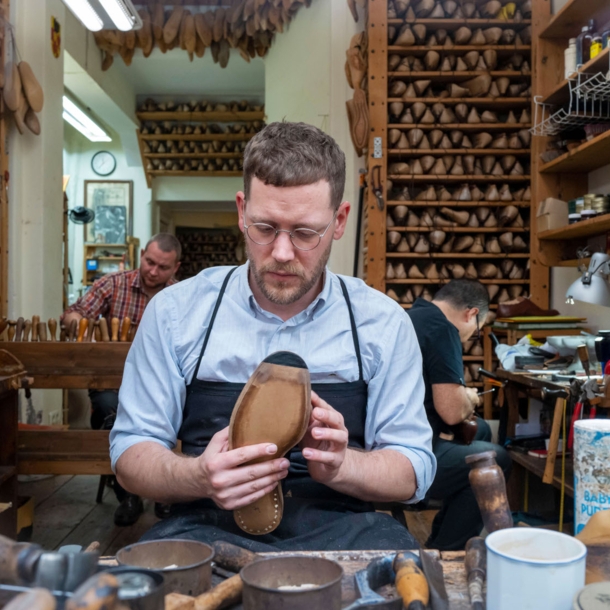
(353, 561)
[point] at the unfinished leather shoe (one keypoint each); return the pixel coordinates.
(273, 407)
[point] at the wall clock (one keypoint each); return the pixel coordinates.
(103, 163)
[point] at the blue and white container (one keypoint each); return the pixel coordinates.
(591, 469)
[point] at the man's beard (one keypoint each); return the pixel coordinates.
(282, 293)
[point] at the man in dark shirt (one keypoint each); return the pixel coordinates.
(442, 326)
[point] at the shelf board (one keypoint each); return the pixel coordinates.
(471, 101)
(202, 137)
(92, 245)
(445, 281)
(397, 152)
(587, 157)
(467, 126)
(454, 24)
(568, 22)
(463, 178)
(451, 76)
(574, 262)
(193, 155)
(201, 116)
(423, 49)
(461, 229)
(6, 472)
(473, 358)
(561, 93)
(464, 204)
(153, 173)
(584, 228)
(429, 255)
(409, 305)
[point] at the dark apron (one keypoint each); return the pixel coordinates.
(316, 517)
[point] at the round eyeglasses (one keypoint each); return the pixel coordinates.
(302, 239)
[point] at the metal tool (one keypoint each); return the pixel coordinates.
(378, 573)
(138, 589)
(433, 571)
(411, 583)
(475, 562)
(100, 592)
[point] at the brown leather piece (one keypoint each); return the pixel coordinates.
(273, 407)
(523, 307)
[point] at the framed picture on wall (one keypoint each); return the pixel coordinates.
(112, 202)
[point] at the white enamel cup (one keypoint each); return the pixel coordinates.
(533, 569)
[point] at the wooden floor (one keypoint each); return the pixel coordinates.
(65, 512)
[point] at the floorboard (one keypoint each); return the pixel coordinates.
(40, 487)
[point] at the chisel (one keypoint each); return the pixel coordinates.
(475, 562)
(90, 330)
(411, 583)
(26, 330)
(114, 325)
(72, 330)
(53, 328)
(125, 324)
(83, 323)
(35, 320)
(19, 329)
(42, 331)
(104, 329)
(11, 329)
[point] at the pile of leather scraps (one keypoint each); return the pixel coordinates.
(246, 25)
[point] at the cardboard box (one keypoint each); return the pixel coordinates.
(552, 214)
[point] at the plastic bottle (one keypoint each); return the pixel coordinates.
(569, 55)
(596, 46)
(583, 43)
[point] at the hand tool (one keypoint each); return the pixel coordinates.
(35, 321)
(34, 599)
(100, 592)
(19, 329)
(411, 583)
(42, 331)
(97, 333)
(63, 335)
(90, 330)
(583, 354)
(26, 330)
(72, 330)
(125, 324)
(104, 329)
(475, 562)
(11, 329)
(138, 589)
(53, 329)
(114, 325)
(378, 573)
(560, 397)
(83, 324)
(433, 571)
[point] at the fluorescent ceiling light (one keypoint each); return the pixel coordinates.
(79, 120)
(119, 13)
(86, 14)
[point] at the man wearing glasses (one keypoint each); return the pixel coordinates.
(452, 318)
(198, 343)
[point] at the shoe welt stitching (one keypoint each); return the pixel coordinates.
(269, 527)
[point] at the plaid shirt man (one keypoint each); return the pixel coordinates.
(116, 295)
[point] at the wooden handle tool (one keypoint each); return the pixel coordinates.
(560, 398)
(125, 324)
(53, 328)
(11, 329)
(475, 564)
(90, 330)
(35, 320)
(63, 334)
(36, 599)
(17, 560)
(114, 325)
(97, 593)
(222, 595)
(42, 331)
(411, 583)
(72, 330)
(583, 354)
(26, 330)
(19, 329)
(83, 324)
(104, 329)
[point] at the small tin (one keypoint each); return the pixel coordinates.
(572, 218)
(592, 597)
(601, 204)
(579, 205)
(588, 214)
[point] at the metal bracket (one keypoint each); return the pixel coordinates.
(377, 148)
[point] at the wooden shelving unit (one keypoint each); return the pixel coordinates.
(379, 221)
(121, 255)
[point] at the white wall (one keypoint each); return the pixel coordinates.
(78, 152)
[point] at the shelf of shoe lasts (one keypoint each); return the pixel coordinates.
(464, 229)
(561, 93)
(201, 137)
(194, 155)
(439, 282)
(186, 172)
(451, 178)
(454, 24)
(510, 102)
(423, 49)
(458, 204)
(468, 126)
(454, 77)
(398, 152)
(568, 21)
(428, 255)
(221, 117)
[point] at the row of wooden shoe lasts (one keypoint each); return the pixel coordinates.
(497, 294)
(173, 128)
(463, 193)
(456, 139)
(192, 146)
(466, 9)
(417, 34)
(151, 105)
(449, 61)
(215, 164)
(460, 165)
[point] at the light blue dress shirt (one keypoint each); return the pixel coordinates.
(162, 359)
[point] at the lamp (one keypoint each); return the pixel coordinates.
(97, 15)
(82, 122)
(592, 286)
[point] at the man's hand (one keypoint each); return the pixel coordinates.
(474, 397)
(231, 483)
(325, 442)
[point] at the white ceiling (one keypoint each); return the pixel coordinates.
(171, 75)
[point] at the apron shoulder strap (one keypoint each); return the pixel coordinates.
(216, 307)
(353, 325)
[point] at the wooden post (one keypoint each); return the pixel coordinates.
(4, 251)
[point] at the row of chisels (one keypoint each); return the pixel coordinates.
(80, 331)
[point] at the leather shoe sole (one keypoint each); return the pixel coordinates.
(274, 407)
